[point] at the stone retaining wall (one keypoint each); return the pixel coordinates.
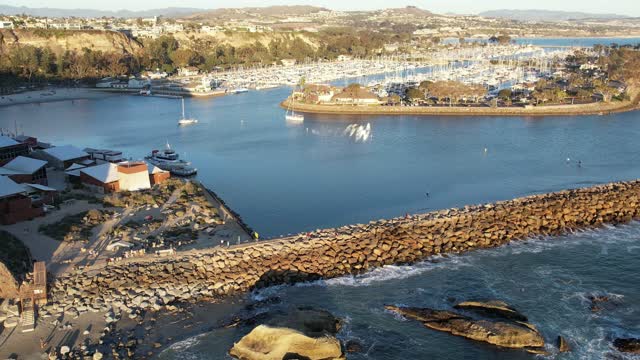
(598, 108)
(8, 283)
(154, 282)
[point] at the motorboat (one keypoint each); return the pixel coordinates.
(169, 160)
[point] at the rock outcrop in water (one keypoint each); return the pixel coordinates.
(563, 345)
(309, 321)
(504, 333)
(492, 308)
(630, 345)
(267, 343)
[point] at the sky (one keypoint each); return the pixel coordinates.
(621, 7)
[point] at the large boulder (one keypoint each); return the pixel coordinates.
(494, 308)
(506, 334)
(309, 321)
(630, 345)
(269, 343)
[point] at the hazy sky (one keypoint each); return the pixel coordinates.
(623, 7)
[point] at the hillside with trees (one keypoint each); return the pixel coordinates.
(61, 55)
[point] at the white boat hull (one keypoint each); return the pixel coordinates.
(296, 118)
(187, 121)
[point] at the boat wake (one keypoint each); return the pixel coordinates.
(359, 133)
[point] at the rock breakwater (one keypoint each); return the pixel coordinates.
(151, 283)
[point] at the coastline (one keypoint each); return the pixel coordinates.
(50, 95)
(53, 94)
(164, 92)
(551, 110)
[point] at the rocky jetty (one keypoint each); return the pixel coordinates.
(154, 282)
(505, 333)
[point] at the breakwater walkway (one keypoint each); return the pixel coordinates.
(597, 108)
(200, 274)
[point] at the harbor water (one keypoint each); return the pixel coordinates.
(284, 178)
(334, 170)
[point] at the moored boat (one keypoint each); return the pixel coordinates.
(169, 160)
(184, 120)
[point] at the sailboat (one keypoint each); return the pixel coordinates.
(184, 120)
(291, 115)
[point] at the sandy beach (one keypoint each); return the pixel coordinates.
(51, 94)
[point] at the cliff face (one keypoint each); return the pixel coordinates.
(238, 39)
(61, 40)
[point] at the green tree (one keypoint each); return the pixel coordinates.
(26, 58)
(505, 94)
(415, 94)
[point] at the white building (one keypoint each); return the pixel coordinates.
(6, 25)
(188, 71)
(135, 83)
(109, 177)
(61, 157)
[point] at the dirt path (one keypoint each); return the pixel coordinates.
(55, 253)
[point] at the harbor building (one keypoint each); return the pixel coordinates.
(61, 157)
(188, 71)
(23, 169)
(109, 177)
(104, 155)
(356, 95)
(15, 204)
(10, 149)
(157, 175)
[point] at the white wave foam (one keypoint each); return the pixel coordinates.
(187, 343)
(608, 235)
(395, 272)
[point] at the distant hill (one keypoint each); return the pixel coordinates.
(54, 12)
(546, 15)
(409, 10)
(249, 12)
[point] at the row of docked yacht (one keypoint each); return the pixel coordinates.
(169, 160)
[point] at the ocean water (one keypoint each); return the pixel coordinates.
(547, 279)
